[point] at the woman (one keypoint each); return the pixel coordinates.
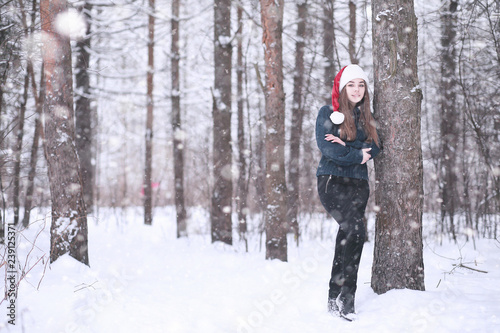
(347, 138)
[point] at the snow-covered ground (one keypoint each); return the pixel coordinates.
(143, 279)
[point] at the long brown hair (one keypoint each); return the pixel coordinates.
(348, 127)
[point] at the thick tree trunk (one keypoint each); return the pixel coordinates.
(176, 125)
(148, 169)
(450, 116)
(328, 49)
(276, 226)
(242, 155)
(222, 151)
(297, 116)
(68, 231)
(398, 261)
(83, 112)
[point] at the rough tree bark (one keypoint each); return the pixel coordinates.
(176, 125)
(450, 115)
(19, 134)
(148, 168)
(328, 48)
(352, 32)
(221, 207)
(297, 117)
(398, 261)
(275, 213)
(68, 231)
(83, 111)
(242, 155)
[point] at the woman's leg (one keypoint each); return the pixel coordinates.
(345, 200)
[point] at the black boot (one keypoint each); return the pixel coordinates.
(333, 308)
(345, 304)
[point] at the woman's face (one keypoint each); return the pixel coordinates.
(355, 90)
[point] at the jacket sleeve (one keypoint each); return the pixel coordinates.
(375, 149)
(341, 155)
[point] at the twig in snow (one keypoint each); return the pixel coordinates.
(85, 286)
(472, 269)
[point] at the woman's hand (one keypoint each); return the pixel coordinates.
(366, 155)
(332, 138)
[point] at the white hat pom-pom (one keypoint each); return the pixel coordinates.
(337, 117)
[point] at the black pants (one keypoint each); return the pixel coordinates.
(345, 200)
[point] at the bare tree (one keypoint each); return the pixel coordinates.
(8, 49)
(328, 48)
(68, 231)
(221, 207)
(19, 131)
(352, 32)
(83, 110)
(38, 96)
(148, 169)
(30, 186)
(481, 176)
(176, 124)
(276, 226)
(297, 117)
(398, 260)
(242, 192)
(450, 115)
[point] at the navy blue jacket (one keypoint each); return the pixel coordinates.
(339, 160)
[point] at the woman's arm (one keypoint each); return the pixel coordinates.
(342, 155)
(354, 144)
(375, 149)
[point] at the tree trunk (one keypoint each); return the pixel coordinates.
(242, 163)
(450, 116)
(30, 186)
(275, 214)
(328, 49)
(148, 169)
(176, 125)
(398, 261)
(260, 174)
(222, 151)
(68, 231)
(83, 112)
(38, 96)
(3, 70)
(19, 129)
(19, 133)
(297, 116)
(352, 32)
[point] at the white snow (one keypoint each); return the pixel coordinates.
(71, 24)
(142, 279)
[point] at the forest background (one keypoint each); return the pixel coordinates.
(114, 76)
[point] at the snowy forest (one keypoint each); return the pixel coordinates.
(169, 147)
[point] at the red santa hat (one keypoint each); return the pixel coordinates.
(346, 74)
